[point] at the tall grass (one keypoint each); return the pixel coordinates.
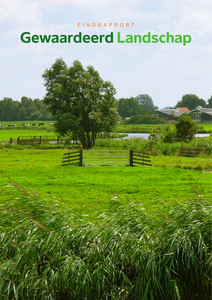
(155, 147)
(49, 250)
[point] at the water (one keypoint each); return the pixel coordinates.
(146, 135)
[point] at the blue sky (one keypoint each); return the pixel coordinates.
(164, 71)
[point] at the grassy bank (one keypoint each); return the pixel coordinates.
(146, 128)
(49, 250)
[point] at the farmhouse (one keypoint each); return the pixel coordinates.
(202, 114)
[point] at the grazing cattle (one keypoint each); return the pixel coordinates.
(33, 124)
(41, 124)
(26, 124)
(51, 124)
(11, 125)
(2, 125)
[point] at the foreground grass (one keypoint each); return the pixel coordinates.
(49, 250)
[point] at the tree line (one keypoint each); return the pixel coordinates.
(144, 105)
(26, 109)
(138, 108)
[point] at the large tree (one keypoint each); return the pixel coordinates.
(81, 101)
(146, 101)
(191, 101)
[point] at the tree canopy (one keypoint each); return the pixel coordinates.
(81, 101)
(191, 101)
(146, 101)
(210, 102)
(26, 109)
(128, 107)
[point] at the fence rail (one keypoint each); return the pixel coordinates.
(30, 140)
(189, 152)
(140, 158)
(106, 158)
(72, 158)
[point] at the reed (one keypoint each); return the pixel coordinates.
(50, 250)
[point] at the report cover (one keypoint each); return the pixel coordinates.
(86, 211)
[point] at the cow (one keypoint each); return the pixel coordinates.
(41, 124)
(51, 124)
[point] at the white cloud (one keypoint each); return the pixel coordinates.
(158, 70)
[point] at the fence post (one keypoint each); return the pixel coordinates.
(58, 139)
(81, 158)
(131, 158)
(40, 140)
(18, 140)
(11, 141)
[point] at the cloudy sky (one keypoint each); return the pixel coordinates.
(165, 71)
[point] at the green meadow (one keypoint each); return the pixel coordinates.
(169, 177)
(104, 232)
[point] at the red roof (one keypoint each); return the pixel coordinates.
(184, 109)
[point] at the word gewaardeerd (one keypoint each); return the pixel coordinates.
(26, 37)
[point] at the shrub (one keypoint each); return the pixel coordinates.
(145, 119)
(185, 128)
(168, 135)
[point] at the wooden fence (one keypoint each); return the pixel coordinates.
(30, 140)
(189, 152)
(139, 158)
(72, 158)
(106, 158)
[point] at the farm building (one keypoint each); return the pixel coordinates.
(183, 109)
(169, 114)
(202, 114)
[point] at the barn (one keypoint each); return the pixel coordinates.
(169, 114)
(201, 114)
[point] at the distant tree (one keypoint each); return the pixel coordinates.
(209, 102)
(9, 109)
(146, 101)
(81, 101)
(185, 128)
(128, 107)
(191, 101)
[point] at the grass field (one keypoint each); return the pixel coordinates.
(104, 232)
(169, 178)
(7, 132)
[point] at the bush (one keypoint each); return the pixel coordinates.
(186, 128)
(168, 135)
(145, 119)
